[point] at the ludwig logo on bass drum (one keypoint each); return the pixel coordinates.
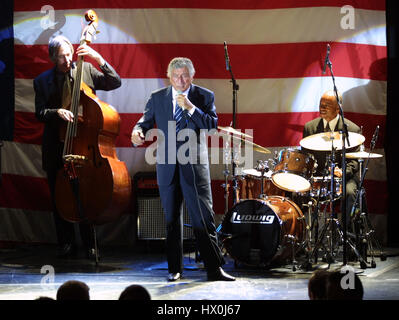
(249, 218)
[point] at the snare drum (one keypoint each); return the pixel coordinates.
(293, 170)
(250, 185)
(322, 187)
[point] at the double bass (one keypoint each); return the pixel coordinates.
(94, 186)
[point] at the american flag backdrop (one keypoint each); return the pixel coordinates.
(276, 50)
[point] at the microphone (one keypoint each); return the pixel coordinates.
(179, 92)
(327, 59)
(226, 56)
(185, 112)
(375, 136)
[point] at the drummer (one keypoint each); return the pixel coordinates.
(330, 120)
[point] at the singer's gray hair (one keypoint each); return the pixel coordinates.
(180, 62)
(54, 45)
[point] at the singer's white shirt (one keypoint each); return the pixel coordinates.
(174, 95)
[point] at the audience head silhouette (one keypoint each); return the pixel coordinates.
(317, 285)
(44, 298)
(335, 285)
(135, 292)
(73, 290)
(340, 288)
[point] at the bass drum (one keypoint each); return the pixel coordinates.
(262, 232)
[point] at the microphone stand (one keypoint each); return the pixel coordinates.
(235, 88)
(345, 138)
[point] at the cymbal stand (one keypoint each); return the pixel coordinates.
(365, 233)
(313, 222)
(226, 174)
(332, 227)
(263, 167)
(345, 138)
(235, 88)
(330, 224)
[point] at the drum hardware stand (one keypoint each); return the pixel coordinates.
(263, 167)
(226, 173)
(313, 223)
(293, 241)
(235, 88)
(314, 219)
(365, 234)
(345, 137)
(307, 243)
(332, 224)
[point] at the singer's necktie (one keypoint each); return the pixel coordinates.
(178, 117)
(66, 92)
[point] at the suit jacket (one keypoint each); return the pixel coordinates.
(316, 126)
(48, 99)
(159, 111)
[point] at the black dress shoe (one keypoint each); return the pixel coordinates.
(66, 250)
(220, 275)
(174, 276)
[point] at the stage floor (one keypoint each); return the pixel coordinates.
(24, 275)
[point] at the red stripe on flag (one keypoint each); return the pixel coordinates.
(128, 121)
(249, 61)
(27, 129)
(22, 192)
(23, 5)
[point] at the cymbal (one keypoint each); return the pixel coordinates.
(257, 147)
(234, 132)
(363, 155)
(257, 173)
(322, 141)
(243, 136)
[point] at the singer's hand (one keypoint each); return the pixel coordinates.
(137, 137)
(183, 102)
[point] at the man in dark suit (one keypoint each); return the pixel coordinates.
(330, 120)
(52, 98)
(183, 113)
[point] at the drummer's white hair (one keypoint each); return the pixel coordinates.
(180, 62)
(331, 93)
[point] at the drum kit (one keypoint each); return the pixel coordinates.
(278, 204)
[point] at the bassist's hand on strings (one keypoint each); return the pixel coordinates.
(65, 114)
(86, 51)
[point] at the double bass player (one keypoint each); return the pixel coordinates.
(52, 96)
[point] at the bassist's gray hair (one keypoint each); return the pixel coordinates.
(54, 44)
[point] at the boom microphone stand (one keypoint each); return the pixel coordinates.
(234, 122)
(345, 138)
(365, 237)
